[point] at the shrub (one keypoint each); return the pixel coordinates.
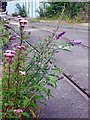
(27, 71)
(71, 10)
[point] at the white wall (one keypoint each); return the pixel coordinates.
(31, 5)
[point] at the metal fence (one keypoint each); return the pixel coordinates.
(30, 5)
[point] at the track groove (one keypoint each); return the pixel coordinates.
(80, 88)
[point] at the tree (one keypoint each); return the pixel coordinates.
(71, 9)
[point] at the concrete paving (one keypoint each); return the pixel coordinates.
(67, 102)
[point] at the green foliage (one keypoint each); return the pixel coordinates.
(21, 10)
(71, 10)
(27, 79)
(41, 12)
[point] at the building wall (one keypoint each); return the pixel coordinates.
(31, 6)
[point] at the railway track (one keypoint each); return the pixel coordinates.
(76, 85)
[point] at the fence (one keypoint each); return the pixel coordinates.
(31, 6)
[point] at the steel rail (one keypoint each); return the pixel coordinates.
(75, 84)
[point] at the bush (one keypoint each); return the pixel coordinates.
(70, 9)
(29, 71)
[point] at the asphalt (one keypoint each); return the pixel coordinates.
(67, 101)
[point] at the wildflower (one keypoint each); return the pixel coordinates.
(8, 51)
(72, 42)
(22, 72)
(25, 53)
(23, 21)
(12, 37)
(77, 42)
(21, 47)
(20, 18)
(61, 77)
(19, 111)
(8, 55)
(59, 35)
(22, 27)
(13, 52)
(14, 45)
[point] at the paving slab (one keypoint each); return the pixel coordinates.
(67, 103)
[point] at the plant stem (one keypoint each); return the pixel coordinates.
(17, 69)
(8, 75)
(21, 35)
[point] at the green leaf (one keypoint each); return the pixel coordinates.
(25, 102)
(33, 114)
(66, 50)
(37, 97)
(44, 90)
(37, 77)
(51, 81)
(25, 114)
(52, 85)
(36, 87)
(56, 70)
(34, 105)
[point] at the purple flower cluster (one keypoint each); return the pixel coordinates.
(72, 42)
(12, 37)
(59, 35)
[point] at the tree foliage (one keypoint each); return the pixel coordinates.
(70, 9)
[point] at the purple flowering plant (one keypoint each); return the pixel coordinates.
(27, 71)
